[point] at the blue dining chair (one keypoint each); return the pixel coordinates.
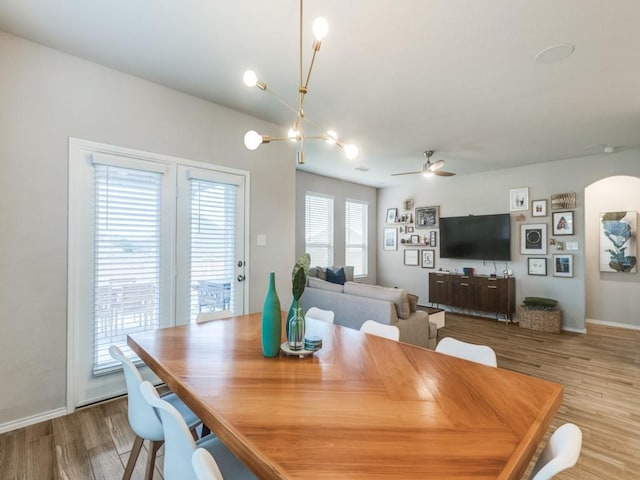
(179, 445)
(142, 417)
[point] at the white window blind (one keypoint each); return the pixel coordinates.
(127, 257)
(318, 229)
(356, 235)
(212, 246)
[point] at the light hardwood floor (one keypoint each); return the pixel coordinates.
(600, 372)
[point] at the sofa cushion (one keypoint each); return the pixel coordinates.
(413, 302)
(324, 285)
(398, 296)
(317, 272)
(336, 277)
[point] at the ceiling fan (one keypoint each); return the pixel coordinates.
(429, 169)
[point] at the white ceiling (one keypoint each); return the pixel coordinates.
(394, 77)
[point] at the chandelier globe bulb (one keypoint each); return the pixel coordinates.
(331, 137)
(250, 78)
(252, 140)
(320, 28)
(351, 151)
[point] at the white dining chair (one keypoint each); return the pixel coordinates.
(561, 452)
(179, 444)
(468, 351)
(319, 314)
(210, 316)
(381, 330)
(204, 465)
(143, 419)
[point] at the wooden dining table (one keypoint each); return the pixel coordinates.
(361, 407)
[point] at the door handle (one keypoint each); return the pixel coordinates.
(241, 278)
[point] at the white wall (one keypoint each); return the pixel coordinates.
(340, 191)
(46, 97)
(488, 193)
(610, 297)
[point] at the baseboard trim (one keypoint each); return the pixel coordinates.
(574, 329)
(613, 324)
(32, 420)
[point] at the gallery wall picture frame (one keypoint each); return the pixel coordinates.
(519, 199)
(409, 229)
(428, 259)
(533, 239)
(563, 265)
(390, 240)
(411, 257)
(392, 214)
(427, 217)
(537, 266)
(415, 239)
(561, 201)
(538, 208)
(562, 222)
(433, 238)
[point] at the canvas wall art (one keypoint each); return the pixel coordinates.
(618, 244)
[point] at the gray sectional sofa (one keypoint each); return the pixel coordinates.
(354, 303)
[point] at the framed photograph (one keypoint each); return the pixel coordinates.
(433, 238)
(428, 259)
(538, 208)
(537, 266)
(533, 239)
(427, 217)
(411, 257)
(390, 240)
(561, 201)
(519, 199)
(563, 265)
(415, 239)
(409, 229)
(562, 223)
(392, 214)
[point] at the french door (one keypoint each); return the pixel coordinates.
(153, 242)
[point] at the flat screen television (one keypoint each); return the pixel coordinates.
(476, 237)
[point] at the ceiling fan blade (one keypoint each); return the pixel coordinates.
(440, 173)
(436, 165)
(405, 173)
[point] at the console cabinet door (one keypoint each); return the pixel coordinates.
(492, 295)
(465, 292)
(440, 289)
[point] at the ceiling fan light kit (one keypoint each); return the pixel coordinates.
(429, 169)
(253, 139)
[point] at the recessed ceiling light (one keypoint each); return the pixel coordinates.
(555, 53)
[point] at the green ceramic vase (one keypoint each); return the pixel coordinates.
(271, 320)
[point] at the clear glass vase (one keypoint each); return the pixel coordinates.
(295, 328)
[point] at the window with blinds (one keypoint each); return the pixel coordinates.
(356, 235)
(212, 246)
(126, 257)
(318, 229)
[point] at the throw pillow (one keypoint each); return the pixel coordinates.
(540, 302)
(413, 302)
(336, 277)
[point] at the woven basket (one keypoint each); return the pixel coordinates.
(540, 320)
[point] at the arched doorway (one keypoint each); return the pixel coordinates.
(610, 297)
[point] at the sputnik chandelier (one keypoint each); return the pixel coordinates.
(253, 139)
